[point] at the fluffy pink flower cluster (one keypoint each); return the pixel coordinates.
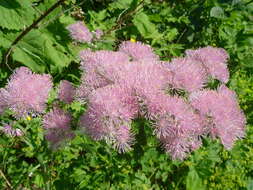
(220, 113)
(10, 131)
(57, 125)
(57, 122)
(132, 82)
(26, 92)
(66, 91)
(80, 33)
(120, 86)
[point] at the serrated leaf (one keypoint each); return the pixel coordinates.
(55, 56)
(38, 50)
(29, 51)
(43, 48)
(145, 27)
(16, 14)
(217, 12)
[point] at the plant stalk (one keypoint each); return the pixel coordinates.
(7, 181)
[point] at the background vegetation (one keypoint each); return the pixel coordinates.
(170, 27)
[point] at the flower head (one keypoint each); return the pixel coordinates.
(66, 91)
(143, 77)
(221, 113)
(119, 89)
(132, 40)
(98, 34)
(3, 103)
(188, 74)
(214, 60)
(80, 32)
(123, 139)
(138, 51)
(109, 115)
(57, 126)
(99, 70)
(174, 123)
(26, 92)
(10, 131)
(102, 57)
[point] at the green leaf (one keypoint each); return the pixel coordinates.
(16, 14)
(29, 51)
(247, 61)
(66, 20)
(98, 19)
(193, 181)
(39, 51)
(5, 40)
(217, 12)
(39, 180)
(55, 56)
(250, 184)
(235, 2)
(1, 54)
(171, 34)
(145, 27)
(121, 4)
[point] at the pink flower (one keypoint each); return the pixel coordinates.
(80, 32)
(102, 57)
(109, 115)
(57, 125)
(104, 68)
(66, 91)
(174, 123)
(143, 77)
(119, 90)
(188, 74)
(26, 92)
(99, 70)
(98, 34)
(3, 103)
(138, 51)
(9, 130)
(214, 60)
(123, 139)
(179, 145)
(222, 115)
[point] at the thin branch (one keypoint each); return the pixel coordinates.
(28, 29)
(181, 35)
(122, 16)
(8, 183)
(249, 2)
(59, 14)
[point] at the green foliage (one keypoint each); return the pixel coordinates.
(217, 12)
(170, 27)
(47, 48)
(146, 28)
(16, 15)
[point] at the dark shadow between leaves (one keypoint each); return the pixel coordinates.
(10, 4)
